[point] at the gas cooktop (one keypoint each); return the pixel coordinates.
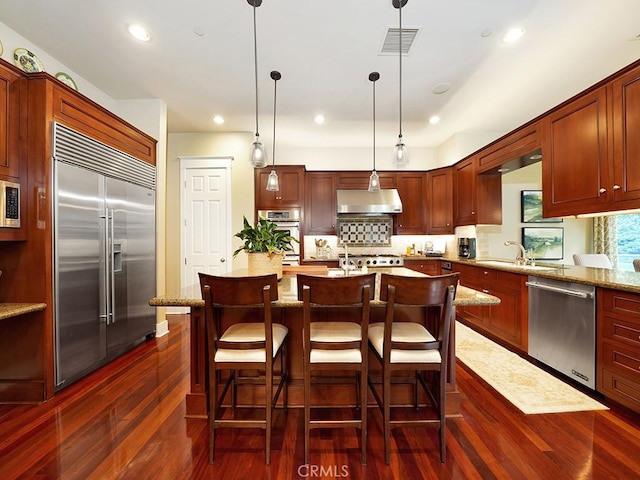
(373, 260)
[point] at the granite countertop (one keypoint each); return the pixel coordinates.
(600, 277)
(288, 292)
(10, 310)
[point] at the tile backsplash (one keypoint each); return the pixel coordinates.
(365, 231)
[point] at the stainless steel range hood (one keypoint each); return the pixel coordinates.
(365, 202)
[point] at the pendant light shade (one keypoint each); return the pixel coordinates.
(400, 157)
(374, 181)
(272, 181)
(258, 155)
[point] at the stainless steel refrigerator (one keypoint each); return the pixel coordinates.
(104, 253)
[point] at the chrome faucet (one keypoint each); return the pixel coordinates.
(521, 257)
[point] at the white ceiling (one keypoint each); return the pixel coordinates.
(325, 51)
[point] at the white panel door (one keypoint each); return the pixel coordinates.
(206, 236)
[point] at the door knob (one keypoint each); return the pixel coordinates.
(222, 260)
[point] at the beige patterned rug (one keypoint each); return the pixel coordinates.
(528, 387)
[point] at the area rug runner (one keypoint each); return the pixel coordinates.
(528, 387)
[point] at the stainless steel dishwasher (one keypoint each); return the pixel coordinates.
(562, 327)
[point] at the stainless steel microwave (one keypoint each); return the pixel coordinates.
(9, 204)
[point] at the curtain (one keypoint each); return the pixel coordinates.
(605, 237)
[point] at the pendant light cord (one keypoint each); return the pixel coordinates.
(374, 125)
(400, 56)
(255, 62)
(275, 87)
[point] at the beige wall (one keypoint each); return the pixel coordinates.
(234, 145)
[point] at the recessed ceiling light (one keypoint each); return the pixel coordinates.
(218, 120)
(199, 31)
(441, 88)
(434, 119)
(513, 35)
(139, 32)
(487, 32)
(319, 119)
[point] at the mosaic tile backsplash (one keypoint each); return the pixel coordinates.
(366, 231)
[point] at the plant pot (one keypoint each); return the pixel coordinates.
(265, 264)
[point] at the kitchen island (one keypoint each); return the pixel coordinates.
(288, 310)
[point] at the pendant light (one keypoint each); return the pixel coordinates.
(374, 181)
(258, 155)
(272, 181)
(400, 157)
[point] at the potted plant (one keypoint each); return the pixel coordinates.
(265, 246)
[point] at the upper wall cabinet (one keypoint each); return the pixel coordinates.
(12, 126)
(575, 167)
(439, 197)
(591, 150)
(320, 210)
(477, 199)
(411, 188)
(291, 183)
(359, 180)
(625, 92)
(511, 151)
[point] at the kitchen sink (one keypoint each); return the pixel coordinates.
(500, 263)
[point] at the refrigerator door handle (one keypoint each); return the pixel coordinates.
(104, 316)
(112, 269)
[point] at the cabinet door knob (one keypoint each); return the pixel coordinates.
(602, 190)
(485, 291)
(616, 187)
(222, 260)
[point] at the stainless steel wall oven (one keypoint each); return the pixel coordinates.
(287, 220)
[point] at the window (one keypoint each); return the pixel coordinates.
(628, 230)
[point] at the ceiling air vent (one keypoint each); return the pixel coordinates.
(391, 43)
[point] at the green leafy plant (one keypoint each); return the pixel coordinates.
(263, 237)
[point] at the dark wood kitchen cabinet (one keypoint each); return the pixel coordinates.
(477, 198)
(13, 144)
(13, 123)
(428, 267)
(508, 321)
(320, 209)
(618, 347)
(291, 183)
(359, 180)
(439, 202)
(591, 150)
(625, 91)
(509, 150)
(411, 188)
(575, 170)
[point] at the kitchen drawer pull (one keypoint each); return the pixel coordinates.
(602, 190)
(616, 187)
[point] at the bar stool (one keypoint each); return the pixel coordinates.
(336, 340)
(252, 345)
(402, 346)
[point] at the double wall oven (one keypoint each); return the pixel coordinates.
(287, 220)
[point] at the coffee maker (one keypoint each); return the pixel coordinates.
(466, 247)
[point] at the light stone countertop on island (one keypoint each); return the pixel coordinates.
(10, 310)
(288, 296)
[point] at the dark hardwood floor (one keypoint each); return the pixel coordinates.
(127, 421)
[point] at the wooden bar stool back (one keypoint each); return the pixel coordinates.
(336, 341)
(252, 345)
(407, 346)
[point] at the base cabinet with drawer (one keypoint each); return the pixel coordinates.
(508, 321)
(428, 267)
(618, 342)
